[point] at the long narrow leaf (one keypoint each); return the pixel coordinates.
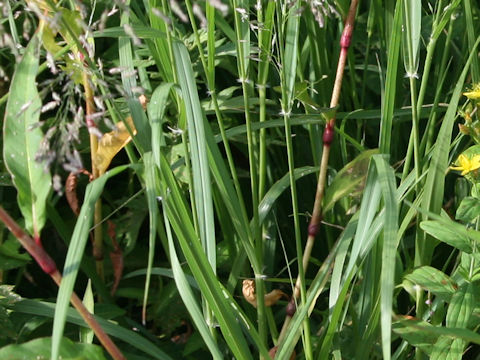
(22, 137)
(386, 178)
(74, 255)
(198, 151)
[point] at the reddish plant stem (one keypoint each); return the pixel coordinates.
(328, 137)
(47, 264)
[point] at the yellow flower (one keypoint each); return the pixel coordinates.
(474, 94)
(466, 164)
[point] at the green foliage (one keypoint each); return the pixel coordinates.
(40, 349)
(22, 138)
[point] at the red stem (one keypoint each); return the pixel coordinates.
(48, 266)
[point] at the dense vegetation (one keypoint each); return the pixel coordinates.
(176, 160)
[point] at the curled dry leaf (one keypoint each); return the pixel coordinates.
(248, 289)
(71, 192)
(71, 189)
(111, 143)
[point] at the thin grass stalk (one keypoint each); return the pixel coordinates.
(328, 137)
(430, 130)
(242, 65)
(470, 28)
(252, 154)
(209, 69)
(411, 74)
(265, 25)
(97, 218)
(288, 49)
(370, 24)
(47, 264)
(166, 10)
(262, 94)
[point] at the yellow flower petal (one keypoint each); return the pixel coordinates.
(466, 165)
(473, 95)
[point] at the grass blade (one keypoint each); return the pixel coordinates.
(74, 255)
(386, 178)
(196, 132)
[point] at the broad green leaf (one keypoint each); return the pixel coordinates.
(11, 256)
(433, 280)
(447, 234)
(461, 307)
(40, 349)
(468, 210)
(447, 348)
(22, 139)
(415, 324)
(423, 340)
(348, 180)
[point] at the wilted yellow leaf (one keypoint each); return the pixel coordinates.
(111, 143)
(248, 289)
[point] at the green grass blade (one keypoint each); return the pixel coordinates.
(224, 307)
(386, 178)
(391, 82)
(130, 85)
(188, 298)
(151, 177)
(156, 111)
(435, 182)
(286, 347)
(75, 252)
(22, 138)
(198, 148)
